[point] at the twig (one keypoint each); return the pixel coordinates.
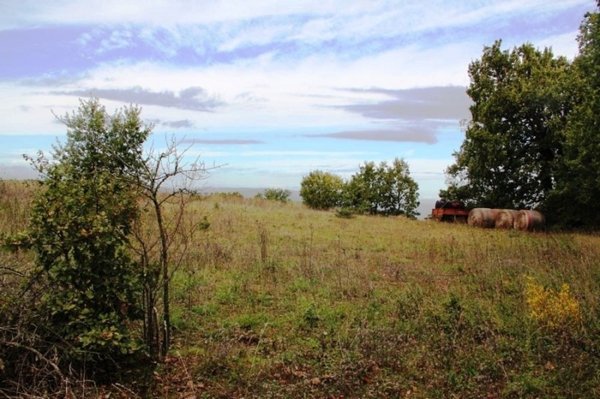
(13, 271)
(123, 389)
(39, 355)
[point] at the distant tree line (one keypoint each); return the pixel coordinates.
(383, 189)
(533, 140)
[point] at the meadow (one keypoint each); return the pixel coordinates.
(273, 300)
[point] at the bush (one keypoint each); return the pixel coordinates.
(321, 190)
(79, 230)
(275, 194)
(376, 189)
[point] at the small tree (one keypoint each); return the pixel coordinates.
(162, 240)
(321, 190)
(362, 191)
(79, 229)
(383, 189)
(99, 191)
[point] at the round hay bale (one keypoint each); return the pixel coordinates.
(527, 220)
(505, 219)
(482, 217)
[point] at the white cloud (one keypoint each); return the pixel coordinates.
(262, 92)
(257, 34)
(355, 18)
(37, 117)
(117, 40)
(304, 153)
(158, 12)
(273, 67)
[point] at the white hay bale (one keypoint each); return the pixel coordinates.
(482, 217)
(527, 220)
(505, 219)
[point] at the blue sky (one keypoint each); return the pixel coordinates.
(269, 89)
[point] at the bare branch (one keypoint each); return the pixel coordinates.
(12, 271)
(38, 354)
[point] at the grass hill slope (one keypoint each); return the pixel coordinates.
(274, 300)
(279, 301)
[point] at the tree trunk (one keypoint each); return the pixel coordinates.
(164, 259)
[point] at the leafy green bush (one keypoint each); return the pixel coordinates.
(321, 190)
(275, 194)
(15, 242)
(79, 229)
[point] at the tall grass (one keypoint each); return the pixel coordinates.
(289, 302)
(274, 300)
(15, 202)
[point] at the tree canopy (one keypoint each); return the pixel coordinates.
(533, 137)
(574, 201)
(516, 132)
(375, 189)
(383, 189)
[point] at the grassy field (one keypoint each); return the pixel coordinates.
(278, 301)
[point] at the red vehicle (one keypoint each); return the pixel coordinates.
(450, 211)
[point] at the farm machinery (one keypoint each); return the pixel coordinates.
(450, 211)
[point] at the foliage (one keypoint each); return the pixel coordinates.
(383, 189)
(79, 228)
(321, 190)
(275, 194)
(16, 242)
(574, 202)
(375, 189)
(532, 139)
(521, 99)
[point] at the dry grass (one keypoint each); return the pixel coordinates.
(15, 202)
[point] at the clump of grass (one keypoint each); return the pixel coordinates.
(263, 241)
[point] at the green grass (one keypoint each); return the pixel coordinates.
(278, 301)
(289, 302)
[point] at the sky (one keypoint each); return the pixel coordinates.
(269, 90)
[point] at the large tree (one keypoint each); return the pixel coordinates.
(521, 100)
(574, 202)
